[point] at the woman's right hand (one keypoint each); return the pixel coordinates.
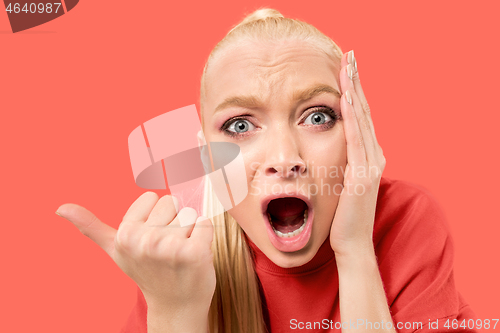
(171, 263)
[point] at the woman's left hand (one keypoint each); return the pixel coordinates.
(352, 228)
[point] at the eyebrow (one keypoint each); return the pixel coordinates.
(251, 102)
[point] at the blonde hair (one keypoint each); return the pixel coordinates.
(268, 24)
(236, 304)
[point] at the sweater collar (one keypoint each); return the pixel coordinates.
(323, 257)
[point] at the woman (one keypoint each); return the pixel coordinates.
(322, 241)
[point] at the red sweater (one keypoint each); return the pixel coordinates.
(415, 255)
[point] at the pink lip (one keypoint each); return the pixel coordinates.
(290, 244)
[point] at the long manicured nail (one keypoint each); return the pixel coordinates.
(352, 60)
(348, 96)
(349, 71)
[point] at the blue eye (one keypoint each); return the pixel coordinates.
(317, 118)
(240, 126)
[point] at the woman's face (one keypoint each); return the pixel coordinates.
(280, 103)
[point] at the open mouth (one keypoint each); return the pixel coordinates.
(288, 219)
(287, 216)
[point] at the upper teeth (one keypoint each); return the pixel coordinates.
(289, 234)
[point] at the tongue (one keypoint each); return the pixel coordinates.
(287, 214)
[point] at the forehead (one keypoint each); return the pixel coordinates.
(269, 70)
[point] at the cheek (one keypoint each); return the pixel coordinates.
(253, 157)
(211, 135)
(247, 213)
(327, 160)
(327, 154)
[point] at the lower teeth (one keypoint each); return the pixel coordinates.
(289, 234)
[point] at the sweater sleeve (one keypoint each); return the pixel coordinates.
(137, 320)
(415, 254)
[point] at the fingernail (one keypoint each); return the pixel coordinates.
(176, 204)
(350, 57)
(352, 60)
(348, 96)
(61, 215)
(349, 71)
(187, 216)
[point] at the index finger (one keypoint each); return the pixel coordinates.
(141, 208)
(348, 58)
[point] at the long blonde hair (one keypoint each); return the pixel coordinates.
(236, 304)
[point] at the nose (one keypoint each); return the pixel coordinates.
(286, 170)
(283, 158)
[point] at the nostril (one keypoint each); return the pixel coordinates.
(296, 169)
(280, 171)
(271, 171)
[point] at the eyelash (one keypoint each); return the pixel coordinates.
(229, 122)
(318, 109)
(324, 109)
